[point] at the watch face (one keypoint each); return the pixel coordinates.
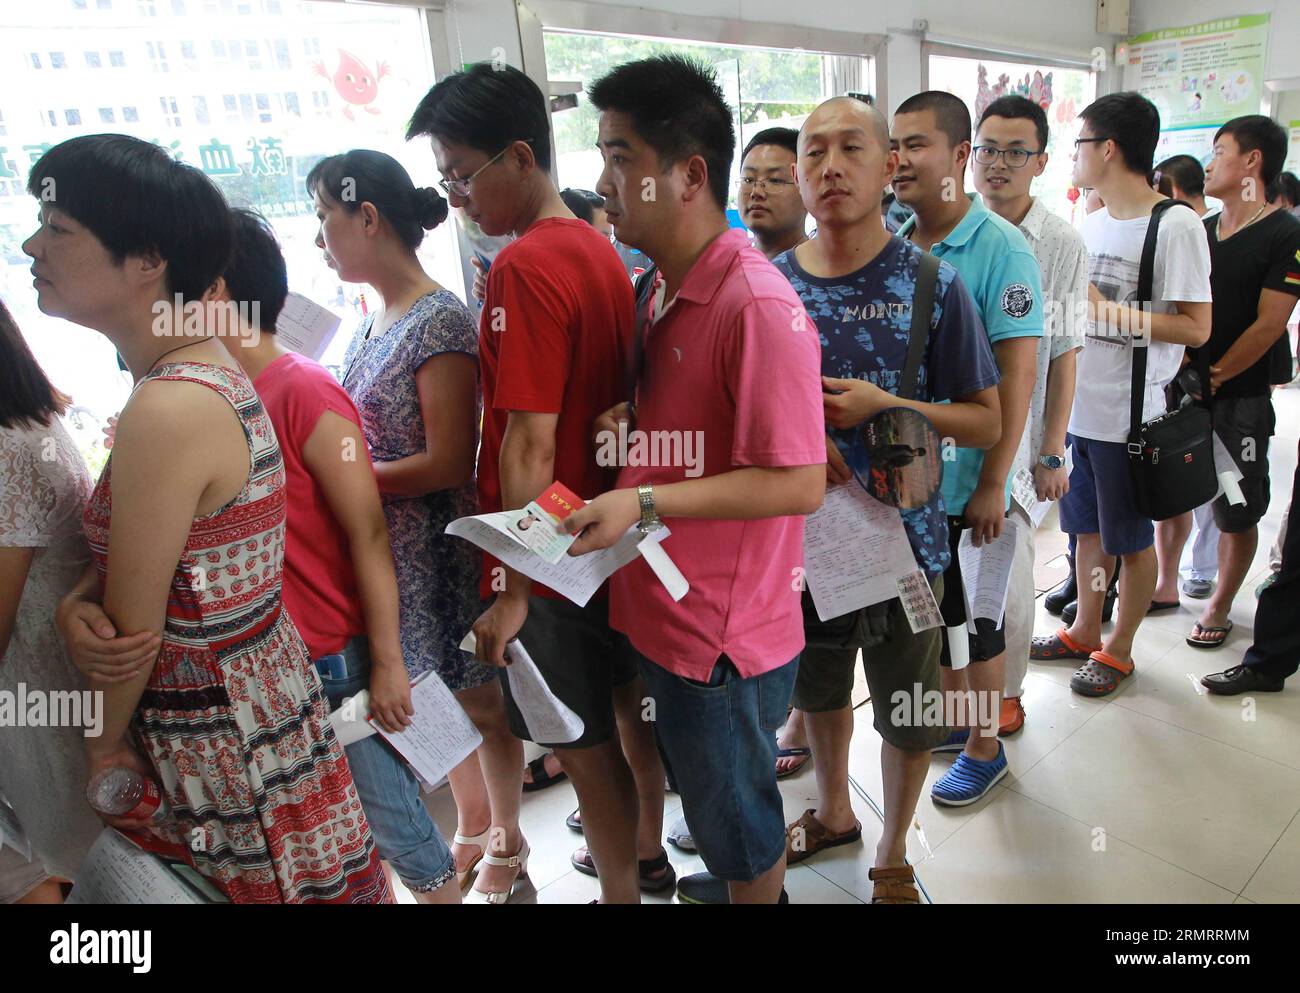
(896, 458)
(1052, 461)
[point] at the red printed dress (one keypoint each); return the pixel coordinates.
(234, 717)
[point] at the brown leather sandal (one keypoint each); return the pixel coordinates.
(896, 885)
(807, 836)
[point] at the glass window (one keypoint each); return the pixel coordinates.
(106, 115)
(766, 88)
(92, 60)
(257, 146)
(72, 116)
(282, 54)
(116, 59)
(79, 4)
(36, 60)
(104, 4)
(58, 61)
(218, 49)
(178, 7)
(187, 50)
(1061, 92)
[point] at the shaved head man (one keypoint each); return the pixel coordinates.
(858, 283)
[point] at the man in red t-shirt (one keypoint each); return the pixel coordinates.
(553, 339)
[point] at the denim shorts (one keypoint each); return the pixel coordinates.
(1102, 500)
(718, 739)
(404, 833)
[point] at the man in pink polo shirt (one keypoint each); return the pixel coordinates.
(727, 377)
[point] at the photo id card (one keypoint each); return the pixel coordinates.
(539, 526)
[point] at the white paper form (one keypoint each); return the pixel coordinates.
(1229, 475)
(1024, 493)
(440, 734)
(11, 832)
(577, 577)
(116, 871)
(986, 574)
(306, 327)
(855, 549)
(547, 717)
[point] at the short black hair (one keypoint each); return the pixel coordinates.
(366, 176)
(1183, 171)
(583, 203)
(1285, 185)
(1132, 122)
(677, 107)
(135, 198)
(787, 138)
(950, 113)
(1255, 132)
(27, 398)
(257, 272)
(487, 106)
(1015, 107)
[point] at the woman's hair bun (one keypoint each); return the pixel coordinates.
(431, 207)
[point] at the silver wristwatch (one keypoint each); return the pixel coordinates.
(1051, 461)
(645, 494)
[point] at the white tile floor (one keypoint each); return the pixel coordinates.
(1158, 793)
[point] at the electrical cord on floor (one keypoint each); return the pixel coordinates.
(857, 788)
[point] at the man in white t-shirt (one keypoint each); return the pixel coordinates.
(1114, 155)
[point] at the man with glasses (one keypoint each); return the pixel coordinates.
(553, 338)
(1114, 155)
(932, 131)
(1010, 152)
(769, 199)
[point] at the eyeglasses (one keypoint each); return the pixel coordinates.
(460, 187)
(748, 183)
(1015, 158)
(1084, 141)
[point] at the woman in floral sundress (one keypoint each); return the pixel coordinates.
(186, 530)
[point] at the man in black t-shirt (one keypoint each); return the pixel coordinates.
(1255, 279)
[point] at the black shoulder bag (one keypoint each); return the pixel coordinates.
(1172, 456)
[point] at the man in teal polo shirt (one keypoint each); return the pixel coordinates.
(932, 131)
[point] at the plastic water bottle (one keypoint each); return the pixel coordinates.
(121, 792)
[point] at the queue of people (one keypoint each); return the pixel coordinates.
(267, 542)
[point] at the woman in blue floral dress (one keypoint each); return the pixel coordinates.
(412, 371)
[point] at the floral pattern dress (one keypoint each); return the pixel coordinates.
(234, 718)
(43, 489)
(437, 575)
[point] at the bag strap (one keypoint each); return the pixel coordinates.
(642, 291)
(1145, 290)
(927, 283)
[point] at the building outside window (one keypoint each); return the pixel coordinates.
(256, 145)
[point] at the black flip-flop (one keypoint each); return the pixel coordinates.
(574, 822)
(1206, 643)
(541, 779)
(1159, 605)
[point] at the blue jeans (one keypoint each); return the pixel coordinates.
(404, 832)
(718, 740)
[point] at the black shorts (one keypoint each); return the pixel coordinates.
(1244, 425)
(989, 640)
(582, 660)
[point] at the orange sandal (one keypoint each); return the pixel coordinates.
(1058, 646)
(894, 885)
(1100, 675)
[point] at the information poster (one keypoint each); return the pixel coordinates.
(1198, 77)
(1293, 149)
